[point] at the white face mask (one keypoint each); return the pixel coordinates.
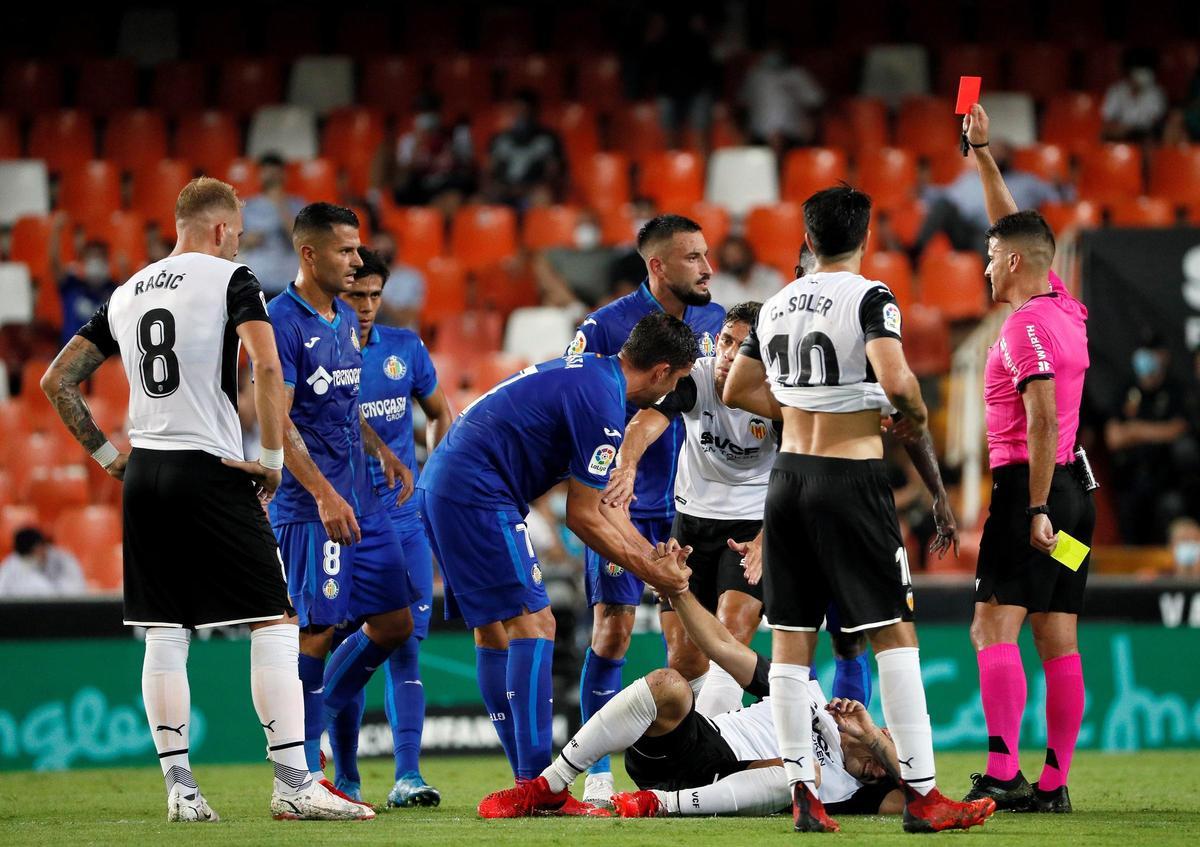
(587, 236)
(1144, 77)
(95, 269)
(1187, 553)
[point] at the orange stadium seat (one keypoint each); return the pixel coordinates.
(92, 192)
(52, 489)
(639, 131)
(1111, 172)
(1063, 217)
(1049, 161)
(966, 60)
(242, 174)
(674, 179)
(602, 180)
(906, 220)
(452, 372)
(1102, 65)
(110, 383)
(576, 125)
(494, 368)
(776, 233)
(725, 130)
(1175, 174)
(125, 235)
(868, 120)
(14, 422)
(352, 139)
(888, 174)
(13, 518)
(155, 191)
(32, 86)
(1073, 121)
(927, 126)
(618, 226)
(107, 85)
(445, 290)
(30, 243)
(505, 287)
(926, 340)
(179, 88)
(315, 180)
(1142, 212)
(463, 82)
(893, 269)
(469, 334)
(1041, 70)
(109, 416)
(549, 226)
(945, 166)
(536, 72)
(246, 84)
(88, 530)
(208, 140)
(64, 139)
(105, 569)
(808, 170)
(38, 450)
(715, 222)
(135, 138)
(598, 82)
(10, 137)
(389, 83)
(7, 494)
(954, 283)
(420, 233)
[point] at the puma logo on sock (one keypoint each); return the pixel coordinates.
(906, 762)
(177, 730)
(269, 727)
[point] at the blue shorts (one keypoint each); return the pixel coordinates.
(489, 568)
(609, 583)
(330, 583)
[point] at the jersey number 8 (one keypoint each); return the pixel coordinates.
(159, 365)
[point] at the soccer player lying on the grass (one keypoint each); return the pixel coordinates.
(727, 765)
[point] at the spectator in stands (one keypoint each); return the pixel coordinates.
(434, 164)
(958, 209)
(1135, 105)
(739, 277)
(679, 66)
(404, 295)
(36, 568)
(1153, 454)
(582, 273)
(267, 222)
(83, 286)
(779, 98)
(526, 159)
(1183, 537)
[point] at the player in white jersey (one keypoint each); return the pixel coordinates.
(826, 357)
(199, 552)
(720, 489)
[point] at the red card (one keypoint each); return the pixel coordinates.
(968, 93)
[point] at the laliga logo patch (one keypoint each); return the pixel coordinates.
(758, 428)
(537, 575)
(320, 381)
(708, 347)
(330, 589)
(908, 598)
(394, 367)
(602, 458)
(891, 318)
(613, 569)
(579, 344)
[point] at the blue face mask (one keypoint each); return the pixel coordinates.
(1187, 553)
(1145, 363)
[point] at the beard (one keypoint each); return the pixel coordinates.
(689, 296)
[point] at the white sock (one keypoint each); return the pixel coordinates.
(904, 712)
(697, 685)
(618, 725)
(720, 694)
(752, 793)
(791, 707)
(168, 702)
(279, 701)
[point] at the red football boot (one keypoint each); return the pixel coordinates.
(808, 814)
(524, 799)
(934, 812)
(638, 804)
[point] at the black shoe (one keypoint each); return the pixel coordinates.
(1010, 795)
(1057, 801)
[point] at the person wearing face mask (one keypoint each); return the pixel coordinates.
(779, 98)
(582, 272)
(405, 292)
(525, 158)
(267, 242)
(433, 162)
(739, 277)
(1184, 541)
(84, 286)
(1135, 105)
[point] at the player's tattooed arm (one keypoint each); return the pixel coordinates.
(77, 361)
(921, 451)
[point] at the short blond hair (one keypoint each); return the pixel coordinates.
(205, 194)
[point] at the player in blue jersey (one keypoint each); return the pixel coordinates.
(396, 370)
(343, 558)
(562, 419)
(677, 274)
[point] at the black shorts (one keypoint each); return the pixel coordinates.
(1009, 568)
(199, 551)
(715, 568)
(690, 755)
(832, 534)
(865, 801)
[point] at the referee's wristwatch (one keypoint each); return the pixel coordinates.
(1043, 509)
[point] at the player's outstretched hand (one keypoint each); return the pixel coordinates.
(975, 125)
(117, 469)
(619, 491)
(1042, 535)
(338, 518)
(947, 528)
(751, 553)
(266, 480)
(851, 717)
(669, 573)
(395, 471)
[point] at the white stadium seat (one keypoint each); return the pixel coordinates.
(895, 71)
(1013, 115)
(16, 293)
(24, 189)
(538, 333)
(740, 178)
(290, 131)
(322, 83)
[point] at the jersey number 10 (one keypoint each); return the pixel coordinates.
(159, 366)
(779, 349)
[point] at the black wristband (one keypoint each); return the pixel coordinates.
(1037, 510)
(977, 146)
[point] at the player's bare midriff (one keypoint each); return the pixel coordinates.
(839, 435)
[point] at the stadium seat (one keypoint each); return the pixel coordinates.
(867, 122)
(927, 126)
(445, 290)
(38, 450)
(945, 166)
(90, 193)
(1073, 121)
(1048, 161)
(1175, 174)
(322, 83)
(420, 233)
(576, 125)
(1064, 217)
(895, 71)
(289, 131)
(1110, 172)
(315, 180)
(776, 234)
(1014, 111)
(12, 519)
(618, 227)
(107, 86)
(549, 226)
(86, 530)
(638, 130)
(725, 130)
(352, 138)
(889, 175)
(1142, 212)
(808, 170)
(893, 269)
(715, 222)
(155, 191)
(483, 235)
(30, 243)
(52, 489)
(538, 333)
(125, 235)
(14, 422)
(452, 372)
(469, 333)
(242, 174)
(602, 180)
(1039, 69)
(389, 84)
(954, 283)
(740, 178)
(109, 383)
(32, 86)
(464, 84)
(64, 139)
(674, 179)
(179, 88)
(489, 371)
(536, 72)
(208, 140)
(16, 293)
(926, 340)
(247, 85)
(10, 136)
(598, 82)
(135, 138)
(960, 60)
(105, 569)
(505, 286)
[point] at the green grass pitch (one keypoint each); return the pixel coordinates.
(1135, 799)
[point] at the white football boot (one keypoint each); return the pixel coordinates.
(187, 805)
(317, 803)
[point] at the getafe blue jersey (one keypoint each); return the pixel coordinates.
(561, 418)
(603, 332)
(322, 364)
(396, 369)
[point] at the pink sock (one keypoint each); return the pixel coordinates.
(1064, 714)
(1002, 685)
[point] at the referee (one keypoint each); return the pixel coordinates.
(1033, 385)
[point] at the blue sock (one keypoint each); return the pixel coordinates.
(531, 684)
(349, 669)
(343, 738)
(491, 670)
(312, 680)
(599, 683)
(404, 702)
(852, 679)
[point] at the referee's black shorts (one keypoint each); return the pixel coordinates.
(831, 534)
(1009, 568)
(199, 551)
(715, 568)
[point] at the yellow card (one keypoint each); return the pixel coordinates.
(1070, 551)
